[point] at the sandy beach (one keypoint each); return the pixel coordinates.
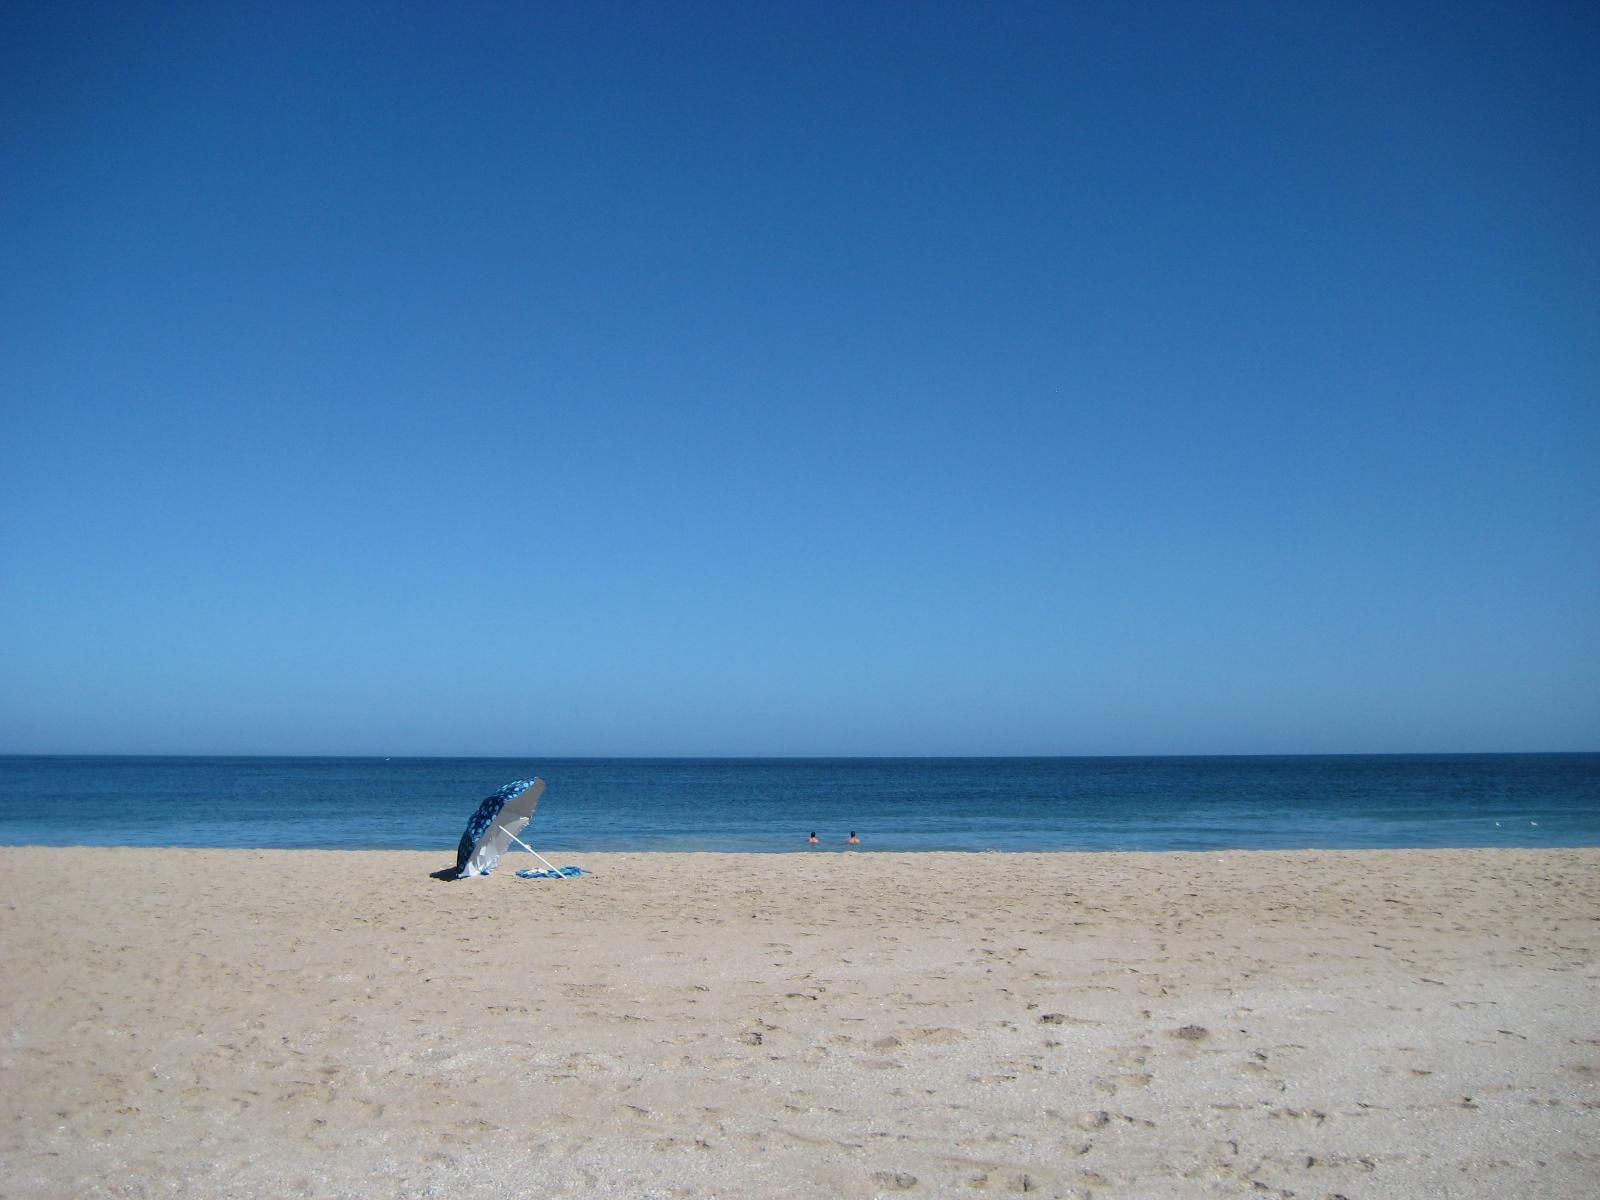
(1306, 1024)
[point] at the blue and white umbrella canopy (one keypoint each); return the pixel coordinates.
(495, 826)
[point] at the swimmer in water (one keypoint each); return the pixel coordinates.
(813, 838)
(854, 840)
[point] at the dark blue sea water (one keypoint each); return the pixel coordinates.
(772, 804)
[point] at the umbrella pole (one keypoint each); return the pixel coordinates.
(533, 852)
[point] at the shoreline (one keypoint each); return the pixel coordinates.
(518, 857)
(1395, 1023)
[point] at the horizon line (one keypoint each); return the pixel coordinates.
(791, 757)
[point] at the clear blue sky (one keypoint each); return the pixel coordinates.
(799, 379)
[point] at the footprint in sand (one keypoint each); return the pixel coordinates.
(899, 1181)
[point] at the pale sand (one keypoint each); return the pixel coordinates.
(239, 1023)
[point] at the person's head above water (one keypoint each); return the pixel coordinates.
(853, 836)
(813, 836)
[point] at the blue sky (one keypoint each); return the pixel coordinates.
(799, 379)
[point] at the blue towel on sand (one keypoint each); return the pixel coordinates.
(558, 873)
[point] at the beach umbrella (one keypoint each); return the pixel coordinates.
(495, 826)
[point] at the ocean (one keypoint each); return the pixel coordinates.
(771, 805)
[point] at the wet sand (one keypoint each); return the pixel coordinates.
(1307, 1024)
